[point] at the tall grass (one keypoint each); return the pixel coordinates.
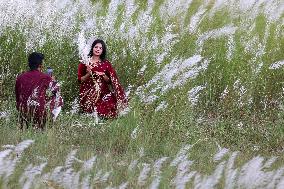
(178, 171)
(201, 72)
(238, 40)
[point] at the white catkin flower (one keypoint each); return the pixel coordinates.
(173, 75)
(71, 158)
(29, 175)
(224, 93)
(230, 47)
(88, 165)
(4, 115)
(172, 8)
(181, 182)
(252, 174)
(193, 94)
(216, 33)
(162, 106)
(142, 70)
(231, 174)
(144, 174)
(95, 115)
(212, 180)
(240, 125)
(82, 47)
(269, 162)
(196, 19)
(128, 90)
(8, 160)
(141, 152)
(123, 185)
(133, 165)
(276, 65)
(56, 112)
(218, 4)
(22, 146)
(221, 153)
(236, 84)
(155, 183)
(126, 110)
(98, 176)
(9, 146)
(130, 8)
(182, 155)
(135, 133)
(110, 187)
(86, 182)
(183, 176)
(105, 177)
(158, 165)
(4, 154)
(75, 106)
(256, 148)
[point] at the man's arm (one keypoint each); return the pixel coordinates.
(17, 93)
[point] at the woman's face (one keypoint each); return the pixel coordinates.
(98, 49)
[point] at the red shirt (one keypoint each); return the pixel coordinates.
(30, 92)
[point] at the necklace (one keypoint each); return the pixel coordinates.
(96, 62)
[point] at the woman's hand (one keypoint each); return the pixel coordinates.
(100, 73)
(89, 69)
(105, 77)
(88, 74)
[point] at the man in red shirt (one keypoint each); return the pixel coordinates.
(36, 92)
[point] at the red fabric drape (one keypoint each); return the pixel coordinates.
(32, 98)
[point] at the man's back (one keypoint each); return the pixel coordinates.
(30, 94)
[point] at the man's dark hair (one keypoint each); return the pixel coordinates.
(35, 59)
(103, 55)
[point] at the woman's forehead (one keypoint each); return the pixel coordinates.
(98, 44)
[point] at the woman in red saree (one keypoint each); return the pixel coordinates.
(100, 90)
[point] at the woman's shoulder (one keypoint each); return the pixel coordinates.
(107, 63)
(81, 63)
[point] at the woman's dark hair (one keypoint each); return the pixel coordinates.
(103, 55)
(35, 59)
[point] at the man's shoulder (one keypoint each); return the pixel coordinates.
(44, 75)
(107, 63)
(22, 75)
(33, 75)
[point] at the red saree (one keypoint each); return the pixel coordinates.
(97, 95)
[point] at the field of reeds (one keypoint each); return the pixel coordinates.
(206, 87)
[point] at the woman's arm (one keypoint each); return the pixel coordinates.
(122, 100)
(83, 73)
(85, 77)
(106, 78)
